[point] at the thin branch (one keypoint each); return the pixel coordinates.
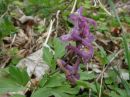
(103, 7)
(13, 40)
(90, 92)
(49, 33)
(75, 2)
(108, 64)
(95, 2)
(57, 20)
(100, 92)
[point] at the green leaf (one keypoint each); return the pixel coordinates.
(42, 92)
(67, 89)
(47, 56)
(56, 94)
(55, 85)
(122, 92)
(108, 81)
(62, 91)
(113, 94)
(43, 7)
(61, 94)
(103, 27)
(101, 55)
(46, 92)
(59, 48)
(87, 4)
(127, 19)
(112, 75)
(20, 76)
(17, 95)
(113, 22)
(87, 85)
(87, 75)
(44, 80)
(111, 56)
(53, 65)
(3, 6)
(9, 85)
(3, 72)
(55, 81)
(6, 27)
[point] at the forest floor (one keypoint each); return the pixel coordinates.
(29, 26)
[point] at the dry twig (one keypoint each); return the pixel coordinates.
(75, 2)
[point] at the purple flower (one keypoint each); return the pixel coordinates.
(85, 53)
(71, 71)
(66, 37)
(91, 21)
(81, 27)
(82, 50)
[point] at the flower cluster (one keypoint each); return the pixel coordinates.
(83, 49)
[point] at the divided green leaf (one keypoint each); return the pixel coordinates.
(20, 76)
(47, 56)
(59, 48)
(87, 75)
(9, 85)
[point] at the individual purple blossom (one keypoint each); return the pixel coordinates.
(84, 53)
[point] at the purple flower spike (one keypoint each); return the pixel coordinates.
(83, 50)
